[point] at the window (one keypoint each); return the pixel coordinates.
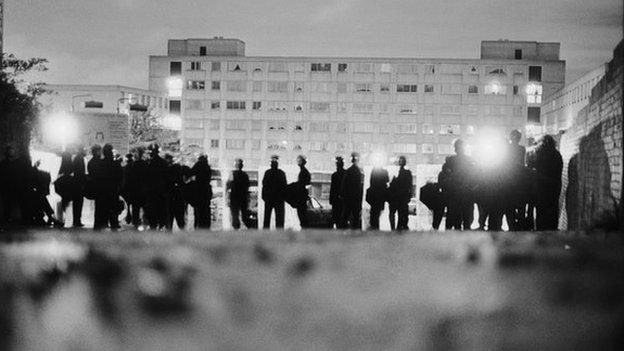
(320, 67)
(407, 109)
(257, 105)
(428, 88)
(298, 128)
(215, 105)
(318, 146)
(322, 127)
(384, 108)
(427, 148)
(236, 85)
(278, 86)
(363, 108)
(406, 88)
(256, 87)
(216, 85)
(341, 88)
(299, 87)
(533, 114)
(255, 144)
(384, 88)
(195, 85)
(277, 106)
(495, 88)
(175, 107)
(429, 69)
(340, 127)
(428, 129)
(298, 108)
(214, 143)
(235, 105)
(194, 142)
(496, 71)
(342, 67)
(234, 144)
(474, 70)
(196, 66)
(342, 107)
(236, 125)
(202, 51)
(515, 90)
(362, 67)
(216, 67)
(518, 54)
(534, 93)
(215, 124)
(175, 68)
(450, 109)
(235, 67)
(405, 128)
(256, 125)
(320, 87)
(194, 105)
(405, 148)
(276, 126)
(535, 73)
(450, 129)
(385, 68)
(364, 128)
(470, 130)
(407, 69)
(319, 107)
(363, 87)
(473, 89)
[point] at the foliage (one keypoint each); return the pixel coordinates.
(145, 128)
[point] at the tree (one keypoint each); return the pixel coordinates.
(19, 108)
(145, 128)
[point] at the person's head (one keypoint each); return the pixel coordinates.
(238, 164)
(460, 147)
(339, 163)
(301, 160)
(140, 151)
(402, 161)
(202, 158)
(107, 151)
(515, 136)
(355, 158)
(274, 161)
(169, 159)
(96, 151)
(547, 142)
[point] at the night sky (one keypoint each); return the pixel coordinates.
(108, 41)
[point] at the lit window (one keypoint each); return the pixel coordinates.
(445, 149)
(319, 107)
(427, 129)
(405, 128)
(363, 88)
(235, 144)
(386, 68)
(427, 148)
(195, 85)
(470, 130)
(450, 129)
(495, 88)
(175, 87)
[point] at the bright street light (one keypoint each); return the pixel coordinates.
(60, 128)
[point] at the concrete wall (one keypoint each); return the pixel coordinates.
(592, 152)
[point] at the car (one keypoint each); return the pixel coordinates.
(412, 206)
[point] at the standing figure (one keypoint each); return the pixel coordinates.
(351, 191)
(515, 211)
(376, 195)
(201, 207)
(458, 182)
(273, 191)
(80, 180)
(64, 185)
(126, 188)
(400, 193)
(156, 190)
(175, 196)
(335, 200)
(301, 190)
(548, 166)
(239, 195)
(14, 182)
(108, 175)
(40, 192)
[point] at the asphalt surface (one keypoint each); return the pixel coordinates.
(314, 290)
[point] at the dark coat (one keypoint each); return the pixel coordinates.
(273, 185)
(239, 187)
(298, 192)
(351, 189)
(336, 183)
(108, 175)
(459, 176)
(156, 180)
(401, 188)
(378, 190)
(548, 167)
(203, 175)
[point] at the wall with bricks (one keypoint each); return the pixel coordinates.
(592, 153)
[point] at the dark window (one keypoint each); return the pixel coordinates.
(175, 106)
(320, 67)
(428, 88)
(406, 88)
(518, 54)
(342, 67)
(202, 51)
(515, 90)
(93, 104)
(216, 85)
(473, 89)
(216, 66)
(535, 73)
(175, 68)
(533, 114)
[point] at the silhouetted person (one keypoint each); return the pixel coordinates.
(40, 191)
(136, 187)
(548, 167)
(108, 175)
(301, 191)
(156, 189)
(64, 185)
(273, 192)
(239, 195)
(126, 190)
(80, 180)
(14, 183)
(201, 208)
(494, 185)
(457, 181)
(400, 193)
(439, 206)
(334, 194)
(515, 211)
(177, 203)
(376, 194)
(351, 192)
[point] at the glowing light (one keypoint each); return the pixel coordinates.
(172, 122)
(377, 159)
(284, 142)
(175, 85)
(490, 149)
(60, 129)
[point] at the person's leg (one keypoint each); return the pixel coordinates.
(180, 214)
(113, 211)
(357, 217)
(375, 212)
(301, 213)
(77, 202)
(268, 208)
(438, 213)
(279, 215)
(467, 216)
(235, 212)
(392, 210)
(403, 216)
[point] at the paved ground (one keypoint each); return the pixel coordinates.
(311, 290)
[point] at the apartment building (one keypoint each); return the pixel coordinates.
(232, 105)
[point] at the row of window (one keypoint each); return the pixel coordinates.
(342, 107)
(535, 72)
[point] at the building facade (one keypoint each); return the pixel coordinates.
(232, 105)
(1, 26)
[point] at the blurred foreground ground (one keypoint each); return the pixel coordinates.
(314, 290)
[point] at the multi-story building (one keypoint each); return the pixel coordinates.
(234, 105)
(561, 108)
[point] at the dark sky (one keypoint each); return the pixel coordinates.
(108, 41)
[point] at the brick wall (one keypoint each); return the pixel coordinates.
(592, 153)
